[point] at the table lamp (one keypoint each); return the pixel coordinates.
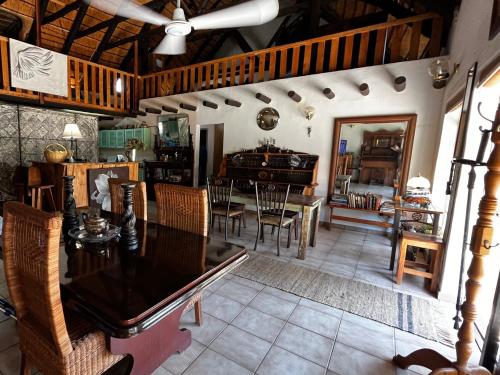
(72, 133)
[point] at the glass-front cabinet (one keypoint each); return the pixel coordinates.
(117, 138)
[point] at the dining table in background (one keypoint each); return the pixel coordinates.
(310, 207)
(137, 298)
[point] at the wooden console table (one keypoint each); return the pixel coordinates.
(52, 174)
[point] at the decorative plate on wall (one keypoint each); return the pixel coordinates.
(268, 118)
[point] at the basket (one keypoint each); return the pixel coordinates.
(55, 153)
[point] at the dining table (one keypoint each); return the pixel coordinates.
(419, 213)
(138, 297)
(308, 205)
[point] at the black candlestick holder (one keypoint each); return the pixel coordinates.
(128, 234)
(70, 217)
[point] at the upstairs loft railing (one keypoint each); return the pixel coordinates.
(400, 40)
(90, 86)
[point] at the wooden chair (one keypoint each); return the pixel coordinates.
(28, 181)
(52, 340)
(220, 191)
(183, 208)
(429, 268)
(271, 202)
(139, 196)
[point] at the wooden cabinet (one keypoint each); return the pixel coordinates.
(52, 174)
(117, 138)
(271, 164)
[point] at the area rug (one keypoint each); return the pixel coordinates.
(420, 316)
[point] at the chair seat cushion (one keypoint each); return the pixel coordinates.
(222, 212)
(288, 213)
(275, 220)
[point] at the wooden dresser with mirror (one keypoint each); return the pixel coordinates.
(370, 164)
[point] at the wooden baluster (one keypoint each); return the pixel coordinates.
(115, 92)
(122, 93)
(178, 81)
(380, 47)
(262, 66)
(5, 65)
(233, 72)
(272, 65)
(85, 83)
(295, 61)
(251, 68)
(224, 74)
(320, 57)
(416, 30)
(349, 44)
(306, 63)
(283, 62)
(93, 84)
(101, 86)
(108, 87)
(396, 39)
(435, 42)
(363, 49)
(241, 80)
(216, 75)
(192, 82)
(77, 80)
(208, 76)
(199, 77)
(128, 91)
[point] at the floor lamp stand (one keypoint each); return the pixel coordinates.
(482, 234)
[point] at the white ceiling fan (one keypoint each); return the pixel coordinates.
(250, 13)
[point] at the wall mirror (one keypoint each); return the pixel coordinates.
(174, 130)
(372, 153)
(268, 118)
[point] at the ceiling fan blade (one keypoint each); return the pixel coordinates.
(250, 13)
(172, 45)
(129, 9)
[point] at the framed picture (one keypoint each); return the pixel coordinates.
(99, 195)
(382, 142)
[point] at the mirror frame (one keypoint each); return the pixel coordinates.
(411, 121)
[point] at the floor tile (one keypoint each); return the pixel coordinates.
(210, 362)
(281, 294)
(282, 362)
(368, 323)
(321, 307)
(161, 371)
(313, 320)
(178, 363)
(306, 344)
(221, 307)
(274, 306)
(243, 348)
(247, 282)
(237, 292)
(347, 361)
(262, 325)
(374, 342)
(211, 327)
(342, 270)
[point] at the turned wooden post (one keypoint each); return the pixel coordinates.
(128, 233)
(70, 217)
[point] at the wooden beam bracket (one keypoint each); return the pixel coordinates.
(233, 103)
(263, 98)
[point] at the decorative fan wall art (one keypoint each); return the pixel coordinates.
(38, 69)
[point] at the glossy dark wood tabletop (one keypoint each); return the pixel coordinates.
(126, 292)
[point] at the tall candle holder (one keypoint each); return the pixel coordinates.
(128, 233)
(70, 217)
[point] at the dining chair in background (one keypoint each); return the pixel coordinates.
(184, 208)
(139, 196)
(51, 339)
(220, 191)
(271, 201)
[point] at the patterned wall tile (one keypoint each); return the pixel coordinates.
(8, 121)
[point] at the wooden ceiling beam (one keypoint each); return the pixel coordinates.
(293, 9)
(241, 41)
(32, 33)
(62, 12)
(279, 31)
(314, 17)
(75, 27)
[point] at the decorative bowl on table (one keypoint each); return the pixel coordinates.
(81, 235)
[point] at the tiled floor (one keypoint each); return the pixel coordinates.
(250, 328)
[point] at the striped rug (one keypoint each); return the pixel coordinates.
(417, 315)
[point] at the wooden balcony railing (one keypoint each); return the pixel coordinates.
(90, 86)
(404, 39)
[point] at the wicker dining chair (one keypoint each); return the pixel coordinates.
(51, 339)
(220, 191)
(271, 201)
(139, 196)
(184, 208)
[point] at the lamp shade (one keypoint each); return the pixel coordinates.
(71, 131)
(418, 182)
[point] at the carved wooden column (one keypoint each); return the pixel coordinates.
(128, 233)
(480, 247)
(70, 217)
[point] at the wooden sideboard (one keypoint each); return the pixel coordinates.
(52, 174)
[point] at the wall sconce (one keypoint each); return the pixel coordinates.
(309, 112)
(439, 70)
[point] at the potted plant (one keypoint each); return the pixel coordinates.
(133, 144)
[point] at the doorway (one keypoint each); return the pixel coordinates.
(211, 151)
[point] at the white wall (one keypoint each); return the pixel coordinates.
(241, 130)
(468, 43)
